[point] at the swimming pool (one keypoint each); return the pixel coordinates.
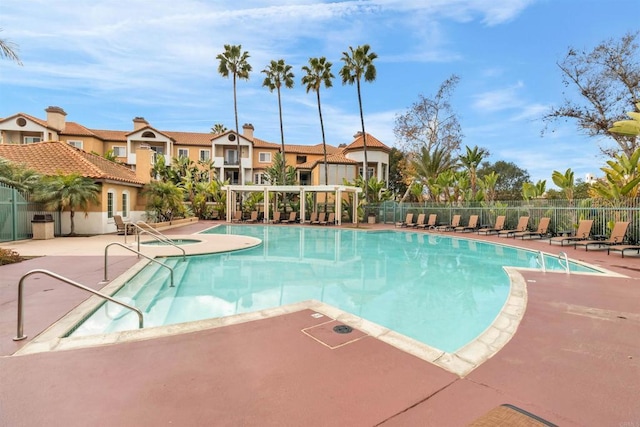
(440, 290)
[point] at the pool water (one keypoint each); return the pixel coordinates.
(178, 242)
(442, 291)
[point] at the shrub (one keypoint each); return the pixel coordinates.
(9, 256)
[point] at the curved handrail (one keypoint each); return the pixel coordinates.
(563, 256)
(106, 248)
(20, 332)
(541, 262)
(156, 235)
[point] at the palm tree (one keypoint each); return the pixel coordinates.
(218, 128)
(470, 161)
(18, 176)
(164, 199)
(358, 64)
(8, 50)
(233, 61)
(429, 165)
(73, 191)
(277, 74)
(319, 73)
(565, 182)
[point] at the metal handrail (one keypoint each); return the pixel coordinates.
(20, 333)
(156, 235)
(541, 262)
(563, 256)
(106, 248)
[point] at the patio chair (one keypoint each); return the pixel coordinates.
(292, 218)
(254, 217)
(617, 237)
(583, 233)
(237, 216)
(431, 222)
(313, 218)
(122, 227)
(523, 223)
(472, 225)
(331, 220)
(623, 248)
(419, 222)
(322, 216)
(543, 226)
(497, 227)
(455, 222)
(509, 415)
(276, 217)
(407, 220)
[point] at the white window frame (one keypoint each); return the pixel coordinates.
(76, 143)
(259, 178)
(264, 157)
(125, 204)
(111, 203)
(204, 158)
(119, 151)
(227, 154)
(183, 152)
(31, 139)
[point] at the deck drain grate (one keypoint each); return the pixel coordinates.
(342, 329)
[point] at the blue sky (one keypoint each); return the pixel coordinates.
(108, 62)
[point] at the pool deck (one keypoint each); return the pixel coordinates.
(574, 359)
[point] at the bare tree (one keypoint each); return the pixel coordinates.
(431, 122)
(607, 80)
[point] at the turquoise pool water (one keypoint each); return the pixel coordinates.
(442, 291)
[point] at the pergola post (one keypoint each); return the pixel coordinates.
(265, 203)
(303, 208)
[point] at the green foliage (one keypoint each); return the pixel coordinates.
(273, 174)
(565, 182)
(164, 200)
(510, 179)
(18, 176)
(533, 191)
(622, 178)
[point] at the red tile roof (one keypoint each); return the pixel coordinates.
(310, 149)
(75, 129)
(333, 159)
(372, 142)
(190, 138)
(111, 135)
(51, 158)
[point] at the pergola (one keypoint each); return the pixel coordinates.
(302, 190)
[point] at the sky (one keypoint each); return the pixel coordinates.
(107, 62)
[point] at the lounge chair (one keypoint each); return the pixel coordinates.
(583, 233)
(623, 248)
(419, 222)
(254, 217)
(472, 225)
(523, 223)
(543, 226)
(431, 222)
(407, 220)
(237, 216)
(313, 218)
(616, 238)
(122, 227)
(455, 222)
(497, 227)
(331, 220)
(276, 217)
(321, 218)
(292, 218)
(509, 415)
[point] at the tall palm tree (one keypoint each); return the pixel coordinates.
(8, 49)
(428, 165)
(471, 161)
(358, 64)
(72, 191)
(218, 128)
(235, 62)
(319, 73)
(277, 74)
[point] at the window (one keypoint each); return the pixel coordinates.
(258, 178)
(110, 204)
(301, 159)
(205, 155)
(77, 144)
(264, 157)
(157, 149)
(120, 151)
(183, 152)
(21, 122)
(231, 157)
(125, 204)
(148, 134)
(31, 139)
(369, 171)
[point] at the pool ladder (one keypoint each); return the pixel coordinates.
(20, 331)
(147, 229)
(563, 260)
(106, 252)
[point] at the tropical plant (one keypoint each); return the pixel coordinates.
(428, 165)
(233, 61)
(218, 128)
(318, 74)
(72, 192)
(622, 179)
(565, 181)
(18, 176)
(471, 161)
(358, 64)
(278, 74)
(274, 173)
(533, 191)
(164, 200)
(9, 49)
(489, 184)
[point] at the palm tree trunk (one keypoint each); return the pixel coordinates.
(364, 144)
(324, 143)
(284, 156)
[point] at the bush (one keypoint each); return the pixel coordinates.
(9, 256)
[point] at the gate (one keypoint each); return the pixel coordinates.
(16, 213)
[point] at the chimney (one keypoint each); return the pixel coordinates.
(247, 131)
(359, 133)
(139, 123)
(56, 118)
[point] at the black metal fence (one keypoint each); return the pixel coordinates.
(564, 214)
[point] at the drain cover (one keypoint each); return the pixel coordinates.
(342, 329)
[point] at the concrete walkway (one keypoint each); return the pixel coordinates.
(574, 360)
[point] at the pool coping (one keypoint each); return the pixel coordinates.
(460, 362)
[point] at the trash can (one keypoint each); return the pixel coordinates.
(42, 227)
